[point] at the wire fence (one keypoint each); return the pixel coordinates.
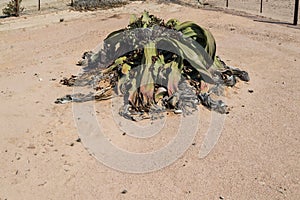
(32, 6)
(282, 10)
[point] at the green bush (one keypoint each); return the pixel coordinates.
(11, 9)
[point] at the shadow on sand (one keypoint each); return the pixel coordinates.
(3, 16)
(270, 21)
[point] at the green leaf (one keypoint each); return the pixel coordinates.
(109, 69)
(120, 60)
(133, 19)
(210, 44)
(125, 68)
(146, 19)
(172, 23)
(133, 93)
(115, 35)
(121, 84)
(156, 67)
(173, 78)
(147, 81)
(204, 36)
(160, 93)
(196, 58)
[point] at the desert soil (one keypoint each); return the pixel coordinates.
(256, 157)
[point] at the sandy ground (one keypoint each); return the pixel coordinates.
(257, 156)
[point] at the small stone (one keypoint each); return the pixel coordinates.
(250, 91)
(261, 183)
(221, 197)
(124, 133)
(124, 192)
(42, 184)
(78, 140)
(31, 146)
(72, 144)
(178, 111)
(61, 19)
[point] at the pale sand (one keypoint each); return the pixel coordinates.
(256, 157)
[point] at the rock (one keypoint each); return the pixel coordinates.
(124, 191)
(31, 146)
(178, 111)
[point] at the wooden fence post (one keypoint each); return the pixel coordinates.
(296, 12)
(17, 8)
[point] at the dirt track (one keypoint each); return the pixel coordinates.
(257, 156)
